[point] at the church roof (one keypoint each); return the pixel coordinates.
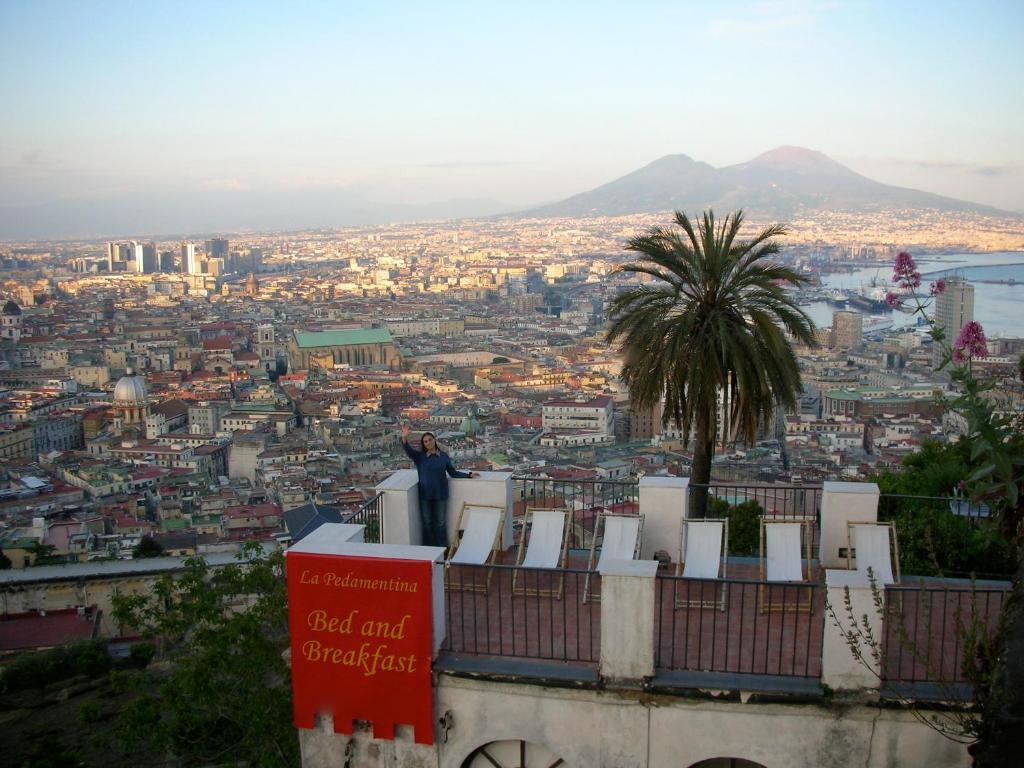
(350, 336)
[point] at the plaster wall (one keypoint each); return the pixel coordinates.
(627, 644)
(630, 729)
(401, 503)
(663, 503)
(843, 503)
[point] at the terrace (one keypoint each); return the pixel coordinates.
(644, 623)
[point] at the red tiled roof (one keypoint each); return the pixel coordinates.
(24, 631)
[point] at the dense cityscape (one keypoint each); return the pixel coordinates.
(449, 385)
(204, 393)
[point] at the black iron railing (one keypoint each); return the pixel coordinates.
(740, 627)
(778, 501)
(957, 506)
(931, 632)
(525, 613)
(370, 514)
(586, 499)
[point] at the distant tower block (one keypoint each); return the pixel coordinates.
(954, 309)
(847, 330)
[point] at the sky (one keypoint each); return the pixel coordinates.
(160, 117)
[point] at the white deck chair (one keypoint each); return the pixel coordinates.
(480, 527)
(621, 541)
(544, 543)
(703, 550)
(785, 546)
(876, 549)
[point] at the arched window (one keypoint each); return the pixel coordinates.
(513, 754)
(727, 762)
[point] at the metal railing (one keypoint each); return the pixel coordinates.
(782, 501)
(524, 613)
(586, 499)
(972, 511)
(737, 626)
(370, 514)
(930, 631)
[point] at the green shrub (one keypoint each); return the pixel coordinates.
(88, 712)
(935, 542)
(142, 653)
(35, 670)
(744, 525)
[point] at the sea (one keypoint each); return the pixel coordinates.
(999, 307)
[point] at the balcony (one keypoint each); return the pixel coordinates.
(643, 625)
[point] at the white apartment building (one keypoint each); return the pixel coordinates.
(593, 415)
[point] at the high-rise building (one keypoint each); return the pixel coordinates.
(167, 261)
(217, 248)
(189, 262)
(148, 261)
(847, 330)
(954, 308)
(120, 257)
(256, 257)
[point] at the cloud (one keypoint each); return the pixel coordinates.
(226, 185)
(978, 169)
(758, 19)
(464, 164)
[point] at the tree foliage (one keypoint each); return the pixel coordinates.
(222, 694)
(147, 547)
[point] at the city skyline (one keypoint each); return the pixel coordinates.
(394, 115)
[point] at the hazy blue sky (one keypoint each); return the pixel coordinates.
(117, 117)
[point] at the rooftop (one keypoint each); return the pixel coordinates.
(313, 339)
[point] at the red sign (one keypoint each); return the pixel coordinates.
(361, 639)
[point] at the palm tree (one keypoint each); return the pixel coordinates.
(711, 322)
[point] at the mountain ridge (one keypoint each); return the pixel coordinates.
(780, 182)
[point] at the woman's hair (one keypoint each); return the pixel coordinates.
(436, 444)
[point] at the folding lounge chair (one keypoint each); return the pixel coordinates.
(703, 548)
(785, 546)
(544, 543)
(480, 542)
(876, 550)
(621, 541)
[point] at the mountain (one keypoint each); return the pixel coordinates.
(778, 183)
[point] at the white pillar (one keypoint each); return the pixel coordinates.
(401, 509)
(843, 503)
(840, 668)
(627, 619)
(491, 488)
(664, 502)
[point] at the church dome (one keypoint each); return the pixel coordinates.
(130, 390)
(11, 308)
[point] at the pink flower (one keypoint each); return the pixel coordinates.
(905, 271)
(971, 343)
(893, 300)
(938, 288)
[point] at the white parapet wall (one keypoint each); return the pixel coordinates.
(627, 620)
(490, 489)
(841, 669)
(612, 729)
(401, 503)
(400, 507)
(843, 503)
(663, 503)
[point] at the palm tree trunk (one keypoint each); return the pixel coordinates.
(700, 473)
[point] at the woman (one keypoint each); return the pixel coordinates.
(433, 466)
